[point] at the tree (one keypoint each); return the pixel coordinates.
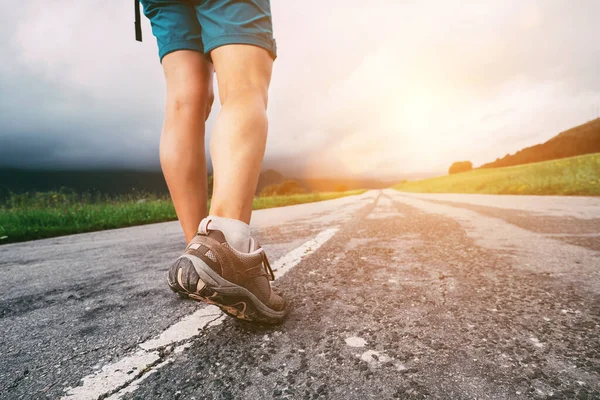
(341, 188)
(285, 188)
(460, 166)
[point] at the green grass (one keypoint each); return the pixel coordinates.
(568, 176)
(280, 201)
(44, 215)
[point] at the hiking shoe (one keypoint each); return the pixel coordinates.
(238, 283)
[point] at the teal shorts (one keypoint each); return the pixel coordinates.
(203, 25)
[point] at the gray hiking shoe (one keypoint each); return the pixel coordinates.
(238, 283)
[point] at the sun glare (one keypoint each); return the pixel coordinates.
(418, 127)
(418, 114)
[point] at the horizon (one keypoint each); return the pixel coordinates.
(109, 169)
(280, 169)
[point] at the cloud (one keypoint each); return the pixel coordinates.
(387, 89)
(73, 85)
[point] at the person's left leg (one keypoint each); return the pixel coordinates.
(188, 75)
(182, 155)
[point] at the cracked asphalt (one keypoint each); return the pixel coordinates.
(415, 296)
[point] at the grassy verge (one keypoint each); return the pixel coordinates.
(568, 176)
(45, 215)
(280, 201)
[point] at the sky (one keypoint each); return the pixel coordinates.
(387, 89)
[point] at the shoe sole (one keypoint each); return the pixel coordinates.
(234, 300)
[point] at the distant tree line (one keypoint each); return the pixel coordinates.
(284, 188)
(112, 183)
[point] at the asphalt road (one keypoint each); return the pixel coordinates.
(394, 296)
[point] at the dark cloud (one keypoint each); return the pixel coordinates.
(45, 124)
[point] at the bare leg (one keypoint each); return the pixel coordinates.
(237, 149)
(189, 98)
(240, 132)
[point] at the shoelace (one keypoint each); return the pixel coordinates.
(267, 265)
(203, 230)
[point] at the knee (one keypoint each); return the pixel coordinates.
(191, 100)
(248, 93)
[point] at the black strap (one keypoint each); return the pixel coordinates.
(138, 24)
(269, 271)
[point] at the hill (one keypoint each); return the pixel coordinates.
(268, 178)
(583, 139)
(568, 176)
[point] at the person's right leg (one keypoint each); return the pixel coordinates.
(239, 136)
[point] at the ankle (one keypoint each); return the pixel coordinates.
(236, 232)
(229, 212)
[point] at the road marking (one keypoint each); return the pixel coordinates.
(293, 258)
(125, 375)
(525, 250)
(123, 372)
(374, 358)
(580, 207)
(355, 341)
(384, 209)
(184, 329)
(114, 375)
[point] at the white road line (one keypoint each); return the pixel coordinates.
(523, 249)
(134, 366)
(127, 373)
(184, 329)
(293, 258)
(113, 376)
